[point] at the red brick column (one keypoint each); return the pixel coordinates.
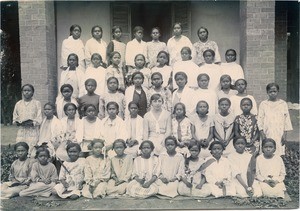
(258, 45)
(37, 47)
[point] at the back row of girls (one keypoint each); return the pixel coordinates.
(169, 174)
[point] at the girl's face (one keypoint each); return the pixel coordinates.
(272, 93)
(146, 149)
(72, 61)
(157, 104)
(48, 111)
(185, 55)
(76, 33)
(116, 59)
(139, 35)
(240, 146)
(177, 30)
(119, 149)
(156, 81)
(180, 81)
(97, 33)
(133, 109)
(230, 56)
(217, 151)
(269, 149)
(117, 34)
(139, 62)
(112, 111)
(21, 153)
(112, 85)
(240, 86)
(194, 151)
(138, 80)
(155, 34)
(90, 112)
(246, 106)
(162, 59)
(225, 83)
(203, 82)
(96, 61)
(203, 35)
(224, 106)
(67, 93)
(170, 146)
(73, 154)
(97, 149)
(90, 87)
(71, 111)
(27, 92)
(208, 57)
(202, 108)
(43, 158)
(179, 111)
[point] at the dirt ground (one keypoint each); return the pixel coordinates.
(8, 135)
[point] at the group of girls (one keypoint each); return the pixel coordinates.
(149, 129)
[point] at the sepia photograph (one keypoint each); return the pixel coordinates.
(149, 105)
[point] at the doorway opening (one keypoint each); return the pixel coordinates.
(149, 15)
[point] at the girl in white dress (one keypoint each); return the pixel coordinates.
(226, 87)
(231, 67)
(116, 45)
(274, 118)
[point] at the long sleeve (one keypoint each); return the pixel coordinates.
(282, 172)
(181, 167)
(261, 116)
(88, 172)
(287, 123)
(146, 127)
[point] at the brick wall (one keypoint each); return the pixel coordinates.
(258, 45)
(281, 50)
(37, 48)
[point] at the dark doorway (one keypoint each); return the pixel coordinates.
(149, 15)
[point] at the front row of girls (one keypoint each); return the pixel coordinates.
(169, 174)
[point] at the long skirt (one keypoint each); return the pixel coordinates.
(169, 189)
(99, 191)
(113, 190)
(30, 135)
(9, 192)
(135, 189)
(39, 189)
(64, 193)
(193, 191)
(241, 192)
(277, 191)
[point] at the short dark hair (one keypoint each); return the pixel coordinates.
(23, 144)
(70, 145)
(149, 142)
(66, 85)
(31, 87)
(119, 141)
(73, 27)
(171, 138)
(216, 142)
(270, 85)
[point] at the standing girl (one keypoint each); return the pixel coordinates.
(73, 76)
(121, 170)
(95, 45)
(116, 45)
(231, 67)
(43, 175)
(211, 69)
(114, 96)
(171, 169)
(188, 66)
(157, 88)
(181, 128)
(114, 70)
(224, 123)
(245, 125)
(91, 128)
(97, 71)
(163, 68)
(19, 174)
(193, 182)
(134, 126)
(50, 129)
(137, 94)
(157, 123)
(243, 165)
(202, 127)
(140, 63)
(270, 171)
(218, 172)
(183, 93)
(274, 118)
(66, 92)
(71, 176)
(145, 172)
(241, 86)
(176, 43)
(226, 90)
(73, 44)
(28, 116)
(96, 172)
(154, 46)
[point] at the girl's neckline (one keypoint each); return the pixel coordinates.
(91, 120)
